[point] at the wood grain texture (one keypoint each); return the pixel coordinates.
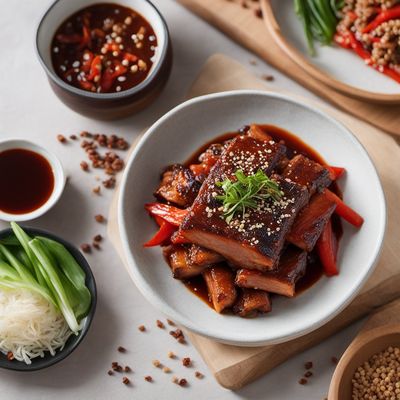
(243, 26)
(235, 367)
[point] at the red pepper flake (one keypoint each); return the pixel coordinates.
(160, 324)
(308, 365)
(186, 362)
(96, 190)
(141, 328)
(86, 248)
(125, 380)
(99, 218)
(171, 323)
(178, 335)
(121, 349)
(98, 238)
(73, 137)
(308, 374)
(303, 381)
(127, 368)
(61, 138)
(148, 378)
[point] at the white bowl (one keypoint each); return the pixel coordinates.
(58, 172)
(181, 132)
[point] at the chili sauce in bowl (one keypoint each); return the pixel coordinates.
(104, 48)
(105, 60)
(31, 180)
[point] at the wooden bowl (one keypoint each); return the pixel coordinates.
(361, 350)
(318, 69)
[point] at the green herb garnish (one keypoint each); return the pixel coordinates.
(319, 18)
(246, 192)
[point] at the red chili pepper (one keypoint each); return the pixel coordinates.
(95, 68)
(87, 61)
(130, 57)
(344, 211)
(87, 85)
(326, 250)
(383, 16)
(171, 214)
(163, 234)
(112, 73)
(69, 39)
(85, 40)
(336, 172)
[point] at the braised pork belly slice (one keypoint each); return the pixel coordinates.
(189, 261)
(254, 240)
(306, 172)
(178, 186)
(291, 268)
(220, 282)
(310, 222)
(251, 302)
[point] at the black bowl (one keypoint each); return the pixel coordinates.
(74, 340)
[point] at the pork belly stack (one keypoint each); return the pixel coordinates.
(256, 238)
(264, 250)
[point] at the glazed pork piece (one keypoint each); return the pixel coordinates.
(251, 302)
(220, 282)
(189, 261)
(255, 239)
(310, 222)
(308, 173)
(282, 281)
(178, 186)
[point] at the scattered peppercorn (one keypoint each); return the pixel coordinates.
(268, 78)
(96, 246)
(171, 323)
(96, 190)
(303, 381)
(121, 349)
(109, 183)
(198, 375)
(182, 382)
(258, 13)
(73, 137)
(125, 380)
(148, 378)
(186, 362)
(99, 218)
(157, 363)
(308, 365)
(308, 374)
(61, 138)
(110, 372)
(178, 335)
(127, 368)
(141, 328)
(84, 166)
(160, 324)
(86, 248)
(175, 379)
(334, 360)
(166, 370)
(98, 238)
(171, 354)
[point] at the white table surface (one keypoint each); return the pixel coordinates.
(29, 109)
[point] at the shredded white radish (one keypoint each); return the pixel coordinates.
(30, 325)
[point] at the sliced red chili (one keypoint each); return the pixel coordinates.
(336, 172)
(383, 16)
(326, 249)
(69, 39)
(95, 68)
(163, 234)
(171, 214)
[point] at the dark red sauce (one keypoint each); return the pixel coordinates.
(26, 181)
(104, 48)
(294, 146)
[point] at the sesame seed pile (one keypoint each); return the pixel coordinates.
(379, 377)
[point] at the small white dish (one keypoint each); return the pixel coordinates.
(174, 138)
(58, 172)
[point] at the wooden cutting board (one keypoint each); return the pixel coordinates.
(243, 26)
(234, 367)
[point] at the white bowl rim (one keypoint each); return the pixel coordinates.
(148, 292)
(105, 96)
(58, 173)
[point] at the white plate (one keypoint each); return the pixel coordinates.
(340, 64)
(181, 132)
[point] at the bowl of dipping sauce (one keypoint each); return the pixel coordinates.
(31, 180)
(105, 60)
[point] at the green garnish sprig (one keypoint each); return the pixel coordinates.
(246, 192)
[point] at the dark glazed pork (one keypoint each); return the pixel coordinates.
(251, 302)
(308, 173)
(282, 281)
(255, 239)
(220, 282)
(310, 222)
(178, 186)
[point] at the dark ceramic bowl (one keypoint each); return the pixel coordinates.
(105, 106)
(74, 340)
